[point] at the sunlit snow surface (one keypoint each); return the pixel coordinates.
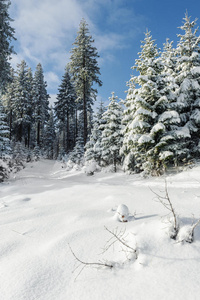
(44, 209)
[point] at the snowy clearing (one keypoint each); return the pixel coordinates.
(44, 209)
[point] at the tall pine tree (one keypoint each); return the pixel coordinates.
(85, 72)
(6, 36)
(188, 93)
(21, 101)
(65, 109)
(41, 103)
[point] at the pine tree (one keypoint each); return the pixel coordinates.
(65, 108)
(6, 36)
(4, 145)
(41, 103)
(77, 155)
(188, 93)
(144, 132)
(170, 116)
(21, 101)
(4, 133)
(111, 139)
(30, 110)
(50, 136)
(8, 101)
(93, 146)
(85, 71)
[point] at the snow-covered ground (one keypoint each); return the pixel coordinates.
(45, 210)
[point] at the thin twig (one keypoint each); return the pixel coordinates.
(166, 202)
(90, 263)
(121, 241)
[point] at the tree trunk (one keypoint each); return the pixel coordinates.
(38, 133)
(29, 134)
(67, 131)
(10, 125)
(84, 114)
(20, 132)
(76, 126)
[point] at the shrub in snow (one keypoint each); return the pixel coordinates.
(91, 167)
(173, 229)
(36, 153)
(4, 170)
(77, 155)
(165, 200)
(122, 213)
(186, 234)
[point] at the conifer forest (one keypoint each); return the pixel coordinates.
(156, 126)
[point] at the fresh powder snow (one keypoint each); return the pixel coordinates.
(50, 218)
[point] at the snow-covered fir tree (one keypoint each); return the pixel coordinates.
(4, 133)
(188, 93)
(77, 154)
(4, 145)
(6, 36)
(85, 71)
(41, 103)
(111, 138)
(145, 136)
(21, 104)
(93, 146)
(50, 137)
(8, 101)
(29, 133)
(65, 109)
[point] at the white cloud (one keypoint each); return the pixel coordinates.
(45, 27)
(52, 79)
(109, 41)
(52, 99)
(15, 60)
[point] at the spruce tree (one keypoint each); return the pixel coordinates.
(85, 72)
(30, 110)
(8, 101)
(41, 103)
(144, 132)
(65, 108)
(4, 133)
(6, 36)
(93, 146)
(21, 101)
(77, 154)
(188, 93)
(50, 136)
(111, 139)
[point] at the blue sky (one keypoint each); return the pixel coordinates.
(46, 30)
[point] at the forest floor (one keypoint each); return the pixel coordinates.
(49, 215)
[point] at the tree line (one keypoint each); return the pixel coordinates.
(160, 123)
(156, 126)
(24, 102)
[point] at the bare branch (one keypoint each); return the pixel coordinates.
(122, 241)
(166, 202)
(90, 263)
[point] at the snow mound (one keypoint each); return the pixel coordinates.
(122, 213)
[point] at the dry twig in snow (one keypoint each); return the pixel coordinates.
(166, 202)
